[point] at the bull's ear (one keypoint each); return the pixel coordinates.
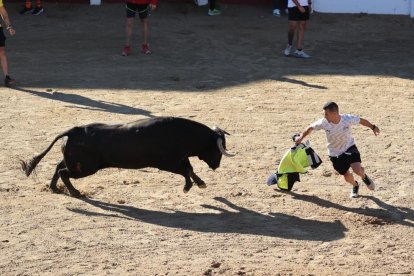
(220, 131)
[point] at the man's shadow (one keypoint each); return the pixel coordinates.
(87, 103)
(388, 214)
(242, 221)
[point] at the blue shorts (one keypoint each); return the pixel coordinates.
(141, 9)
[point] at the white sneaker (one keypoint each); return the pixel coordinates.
(354, 191)
(286, 11)
(288, 50)
(301, 54)
(276, 12)
(370, 184)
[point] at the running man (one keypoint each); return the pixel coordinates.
(341, 144)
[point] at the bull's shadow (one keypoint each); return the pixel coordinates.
(83, 102)
(244, 221)
(388, 213)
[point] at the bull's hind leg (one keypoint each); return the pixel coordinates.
(56, 176)
(64, 175)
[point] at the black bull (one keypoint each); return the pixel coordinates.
(165, 143)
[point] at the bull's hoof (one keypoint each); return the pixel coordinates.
(186, 190)
(55, 190)
(75, 193)
(202, 186)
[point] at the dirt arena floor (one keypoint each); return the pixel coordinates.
(227, 71)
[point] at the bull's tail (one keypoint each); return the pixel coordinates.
(28, 167)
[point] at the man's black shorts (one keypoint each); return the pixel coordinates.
(296, 15)
(141, 9)
(343, 162)
(2, 38)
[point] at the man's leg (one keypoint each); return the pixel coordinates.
(291, 32)
(291, 35)
(301, 34)
(129, 27)
(359, 170)
(145, 48)
(355, 187)
(144, 22)
(3, 61)
(349, 177)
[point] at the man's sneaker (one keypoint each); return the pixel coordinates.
(214, 12)
(38, 10)
(145, 49)
(26, 10)
(9, 81)
(301, 54)
(354, 191)
(286, 11)
(276, 12)
(126, 51)
(288, 50)
(370, 184)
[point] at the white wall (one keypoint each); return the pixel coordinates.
(404, 7)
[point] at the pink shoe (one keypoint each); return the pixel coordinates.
(145, 49)
(126, 51)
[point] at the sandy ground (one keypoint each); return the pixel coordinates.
(227, 71)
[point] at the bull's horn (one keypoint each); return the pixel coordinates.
(222, 149)
(217, 129)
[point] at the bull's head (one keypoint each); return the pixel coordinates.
(213, 156)
(221, 141)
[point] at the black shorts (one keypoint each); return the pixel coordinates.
(2, 38)
(343, 162)
(141, 9)
(296, 15)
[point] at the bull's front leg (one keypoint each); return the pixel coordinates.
(200, 183)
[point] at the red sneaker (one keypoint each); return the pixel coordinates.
(126, 51)
(145, 49)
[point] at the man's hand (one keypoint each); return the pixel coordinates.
(301, 9)
(376, 130)
(153, 7)
(12, 31)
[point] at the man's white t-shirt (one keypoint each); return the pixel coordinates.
(338, 136)
(303, 3)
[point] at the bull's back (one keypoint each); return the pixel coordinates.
(139, 144)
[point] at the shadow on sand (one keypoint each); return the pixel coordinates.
(82, 102)
(243, 221)
(196, 53)
(388, 213)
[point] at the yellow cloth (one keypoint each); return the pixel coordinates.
(1, 3)
(294, 161)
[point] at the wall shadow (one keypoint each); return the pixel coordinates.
(243, 221)
(82, 102)
(196, 53)
(388, 214)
